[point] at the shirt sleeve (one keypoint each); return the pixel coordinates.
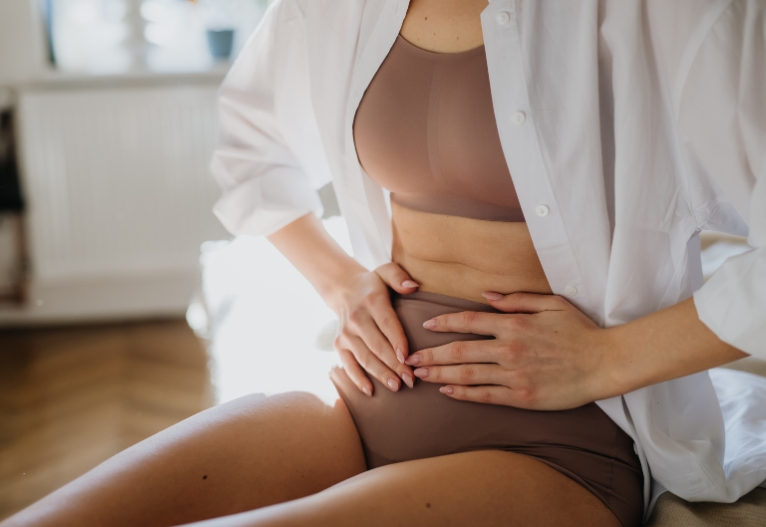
(264, 107)
(722, 115)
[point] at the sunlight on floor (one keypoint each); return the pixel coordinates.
(264, 320)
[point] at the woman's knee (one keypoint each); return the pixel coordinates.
(251, 413)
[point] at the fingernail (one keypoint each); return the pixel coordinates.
(421, 373)
(408, 380)
(429, 324)
(413, 360)
(489, 295)
(449, 390)
(367, 391)
(393, 384)
(399, 355)
(409, 283)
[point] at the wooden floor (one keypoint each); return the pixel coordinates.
(70, 398)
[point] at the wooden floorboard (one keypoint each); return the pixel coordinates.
(72, 397)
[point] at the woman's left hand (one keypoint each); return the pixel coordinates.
(546, 355)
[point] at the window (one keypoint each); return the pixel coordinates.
(101, 37)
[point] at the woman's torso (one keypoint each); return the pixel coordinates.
(426, 131)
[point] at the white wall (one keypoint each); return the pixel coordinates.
(22, 42)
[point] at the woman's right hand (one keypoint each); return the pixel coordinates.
(371, 333)
(371, 338)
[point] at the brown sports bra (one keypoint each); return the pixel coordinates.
(426, 131)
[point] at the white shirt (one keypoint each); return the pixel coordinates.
(628, 127)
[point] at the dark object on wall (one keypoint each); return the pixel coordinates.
(12, 220)
(10, 190)
(220, 42)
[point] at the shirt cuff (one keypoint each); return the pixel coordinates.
(732, 303)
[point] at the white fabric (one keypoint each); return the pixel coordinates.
(644, 123)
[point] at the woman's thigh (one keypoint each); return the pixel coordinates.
(485, 488)
(239, 456)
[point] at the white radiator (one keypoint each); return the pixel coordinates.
(119, 198)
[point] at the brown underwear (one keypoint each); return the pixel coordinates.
(583, 444)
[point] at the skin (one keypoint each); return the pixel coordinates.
(251, 463)
(463, 257)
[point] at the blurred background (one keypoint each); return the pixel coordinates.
(124, 306)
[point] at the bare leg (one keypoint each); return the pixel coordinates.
(249, 453)
(473, 488)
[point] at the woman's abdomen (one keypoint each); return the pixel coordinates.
(463, 257)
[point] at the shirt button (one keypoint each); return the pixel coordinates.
(518, 118)
(542, 210)
(570, 290)
(503, 18)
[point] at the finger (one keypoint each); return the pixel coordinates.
(388, 322)
(396, 278)
(481, 394)
(372, 364)
(525, 302)
(469, 322)
(355, 372)
(458, 352)
(463, 374)
(372, 337)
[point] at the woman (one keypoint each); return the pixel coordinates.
(581, 158)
